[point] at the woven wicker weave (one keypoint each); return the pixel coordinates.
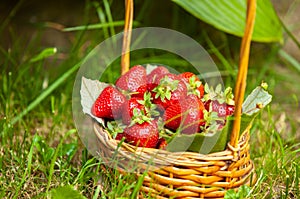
(186, 174)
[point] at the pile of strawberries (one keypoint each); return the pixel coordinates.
(141, 108)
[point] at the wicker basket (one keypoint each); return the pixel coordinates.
(187, 174)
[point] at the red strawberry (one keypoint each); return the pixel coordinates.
(139, 110)
(186, 76)
(160, 70)
(120, 136)
(151, 86)
(142, 135)
(161, 144)
(230, 109)
(140, 91)
(188, 116)
(223, 109)
(193, 83)
(109, 104)
(132, 106)
(170, 90)
(133, 79)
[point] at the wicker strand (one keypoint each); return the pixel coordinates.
(125, 59)
(242, 73)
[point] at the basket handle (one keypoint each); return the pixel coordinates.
(240, 86)
(243, 62)
(125, 59)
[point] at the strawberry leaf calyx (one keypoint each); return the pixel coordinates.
(150, 108)
(139, 117)
(114, 128)
(193, 86)
(219, 95)
(212, 121)
(229, 96)
(165, 88)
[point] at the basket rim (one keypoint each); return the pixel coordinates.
(160, 155)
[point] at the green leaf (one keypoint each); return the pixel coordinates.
(230, 194)
(244, 190)
(229, 16)
(66, 192)
(44, 54)
(203, 143)
(45, 151)
(258, 99)
(69, 150)
(241, 193)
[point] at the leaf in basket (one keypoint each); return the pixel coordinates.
(246, 122)
(90, 90)
(150, 68)
(258, 99)
(203, 143)
(229, 16)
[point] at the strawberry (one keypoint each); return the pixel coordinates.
(188, 116)
(223, 109)
(193, 83)
(142, 135)
(140, 91)
(219, 101)
(170, 90)
(120, 136)
(109, 104)
(139, 110)
(160, 70)
(132, 107)
(133, 79)
(162, 143)
(151, 86)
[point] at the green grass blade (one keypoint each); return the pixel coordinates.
(109, 16)
(216, 51)
(98, 26)
(46, 92)
(44, 54)
(138, 185)
(102, 19)
(290, 34)
(11, 15)
(291, 60)
(58, 148)
(97, 192)
(29, 164)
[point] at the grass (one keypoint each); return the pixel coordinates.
(40, 149)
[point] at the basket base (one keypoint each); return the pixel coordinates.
(217, 190)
